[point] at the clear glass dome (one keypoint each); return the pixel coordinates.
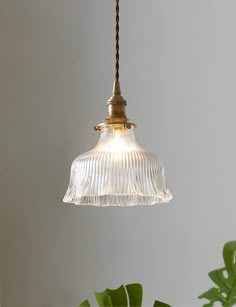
(117, 172)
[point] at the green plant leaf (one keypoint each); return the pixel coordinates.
(135, 292)
(160, 304)
(224, 278)
(213, 295)
(219, 279)
(112, 297)
(85, 304)
(208, 305)
(131, 295)
(229, 254)
(103, 299)
(118, 297)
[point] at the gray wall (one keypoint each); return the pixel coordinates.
(178, 71)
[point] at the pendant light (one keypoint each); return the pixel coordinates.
(117, 171)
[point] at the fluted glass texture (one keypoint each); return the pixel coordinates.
(117, 172)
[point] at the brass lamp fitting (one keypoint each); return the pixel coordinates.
(116, 110)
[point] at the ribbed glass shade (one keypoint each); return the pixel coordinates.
(117, 172)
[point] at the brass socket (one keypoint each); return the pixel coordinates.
(116, 111)
(116, 105)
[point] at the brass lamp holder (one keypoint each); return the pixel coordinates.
(116, 105)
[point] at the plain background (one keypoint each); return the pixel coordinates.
(178, 73)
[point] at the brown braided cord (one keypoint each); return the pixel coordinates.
(117, 39)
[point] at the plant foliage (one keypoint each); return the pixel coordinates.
(125, 296)
(225, 280)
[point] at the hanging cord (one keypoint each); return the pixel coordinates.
(117, 40)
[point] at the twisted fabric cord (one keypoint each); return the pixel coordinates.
(117, 40)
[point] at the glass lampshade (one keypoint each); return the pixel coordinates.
(117, 172)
